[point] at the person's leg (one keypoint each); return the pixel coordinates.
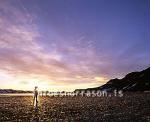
(33, 99)
(36, 99)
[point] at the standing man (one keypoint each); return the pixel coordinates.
(35, 95)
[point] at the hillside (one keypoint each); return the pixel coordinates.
(6, 91)
(134, 81)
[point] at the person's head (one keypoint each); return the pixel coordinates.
(36, 87)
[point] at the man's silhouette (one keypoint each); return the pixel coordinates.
(35, 95)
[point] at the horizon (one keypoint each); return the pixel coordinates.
(68, 45)
(74, 89)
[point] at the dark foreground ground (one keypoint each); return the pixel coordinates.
(129, 108)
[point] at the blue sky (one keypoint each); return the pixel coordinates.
(69, 44)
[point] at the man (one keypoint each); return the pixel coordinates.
(35, 95)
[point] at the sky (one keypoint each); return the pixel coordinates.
(71, 44)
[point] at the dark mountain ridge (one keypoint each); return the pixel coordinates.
(134, 81)
(6, 91)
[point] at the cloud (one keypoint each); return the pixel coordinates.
(29, 52)
(25, 59)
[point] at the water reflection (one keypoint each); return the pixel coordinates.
(16, 94)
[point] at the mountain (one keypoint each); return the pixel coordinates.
(134, 81)
(5, 91)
